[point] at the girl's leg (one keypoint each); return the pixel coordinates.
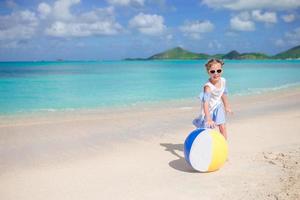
(222, 128)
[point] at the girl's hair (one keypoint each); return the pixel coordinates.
(213, 61)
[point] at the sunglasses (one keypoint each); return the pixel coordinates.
(219, 71)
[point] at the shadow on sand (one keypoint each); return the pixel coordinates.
(179, 163)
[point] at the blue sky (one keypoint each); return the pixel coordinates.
(117, 29)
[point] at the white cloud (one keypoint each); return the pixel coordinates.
(63, 23)
(279, 43)
(148, 24)
(253, 4)
(44, 10)
(126, 2)
(97, 22)
(288, 18)
(293, 37)
(169, 37)
(18, 25)
(61, 9)
(104, 14)
(61, 29)
(58, 21)
(214, 44)
(11, 4)
(267, 17)
(194, 29)
(242, 22)
(289, 38)
(231, 34)
(10, 45)
(197, 26)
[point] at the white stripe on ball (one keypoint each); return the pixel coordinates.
(201, 151)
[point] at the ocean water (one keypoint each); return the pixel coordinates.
(27, 87)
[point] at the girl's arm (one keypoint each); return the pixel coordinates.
(226, 103)
(209, 121)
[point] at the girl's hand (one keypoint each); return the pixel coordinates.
(210, 123)
(228, 110)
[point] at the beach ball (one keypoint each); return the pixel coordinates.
(205, 150)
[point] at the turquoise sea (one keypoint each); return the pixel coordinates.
(28, 87)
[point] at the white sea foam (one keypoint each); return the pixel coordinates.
(186, 108)
(250, 91)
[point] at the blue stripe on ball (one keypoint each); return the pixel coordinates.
(189, 142)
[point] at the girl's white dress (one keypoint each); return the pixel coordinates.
(215, 105)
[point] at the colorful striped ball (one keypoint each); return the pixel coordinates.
(205, 150)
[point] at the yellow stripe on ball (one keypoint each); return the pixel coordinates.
(219, 151)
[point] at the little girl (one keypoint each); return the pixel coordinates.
(214, 99)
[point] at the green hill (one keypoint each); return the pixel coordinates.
(178, 53)
(249, 56)
(218, 56)
(234, 55)
(293, 53)
(182, 54)
(231, 55)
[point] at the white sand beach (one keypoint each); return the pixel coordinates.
(138, 153)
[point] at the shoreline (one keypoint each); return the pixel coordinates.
(184, 104)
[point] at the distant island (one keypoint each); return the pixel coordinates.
(179, 53)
